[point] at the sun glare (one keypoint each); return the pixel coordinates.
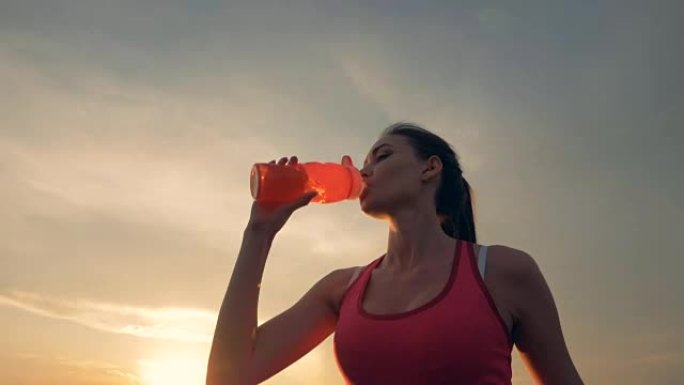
(175, 370)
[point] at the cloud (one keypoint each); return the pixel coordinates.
(106, 145)
(101, 369)
(137, 189)
(32, 369)
(373, 85)
(387, 80)
(130, 183)
(174, 324)
(185, 325)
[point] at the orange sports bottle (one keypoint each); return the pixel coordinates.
(333, 182)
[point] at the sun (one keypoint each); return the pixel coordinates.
(173, 370)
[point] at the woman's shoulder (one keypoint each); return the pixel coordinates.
(342, 276)
(512, 272)
(352, 273)
(342, 279)
(346, 276)
(510, 262)
(509, 273)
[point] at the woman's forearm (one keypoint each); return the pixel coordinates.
(235, 334)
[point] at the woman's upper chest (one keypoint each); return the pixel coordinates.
(387, 294)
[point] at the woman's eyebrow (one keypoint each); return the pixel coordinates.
(376, 150)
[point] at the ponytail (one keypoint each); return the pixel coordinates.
(460, 222)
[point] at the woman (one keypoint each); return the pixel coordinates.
(423, 313)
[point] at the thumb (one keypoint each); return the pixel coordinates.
(303, 201)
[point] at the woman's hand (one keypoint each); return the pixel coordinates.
(270, 217)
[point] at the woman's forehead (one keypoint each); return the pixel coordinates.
(393, 142)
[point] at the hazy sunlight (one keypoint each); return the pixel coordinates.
(173, 370)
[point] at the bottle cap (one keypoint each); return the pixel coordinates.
(254, 181)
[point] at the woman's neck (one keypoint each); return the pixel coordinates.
(416, 242)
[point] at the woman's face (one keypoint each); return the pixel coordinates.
(394, 177)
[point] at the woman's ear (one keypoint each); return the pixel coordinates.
(432, 168)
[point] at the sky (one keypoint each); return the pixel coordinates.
(128, 130)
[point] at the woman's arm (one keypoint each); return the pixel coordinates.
(537, 333)
(235, 335)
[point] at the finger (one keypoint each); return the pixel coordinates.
(271, 162)
(293, 160)
(282, 161)
(347, 160)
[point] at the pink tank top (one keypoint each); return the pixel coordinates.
(456, 338)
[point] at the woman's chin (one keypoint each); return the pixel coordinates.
(371, 209)
(365, 205)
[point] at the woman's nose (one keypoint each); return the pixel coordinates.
(364, 172)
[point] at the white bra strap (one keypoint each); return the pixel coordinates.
(481, 259)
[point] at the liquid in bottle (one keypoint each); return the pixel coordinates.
(285, 183)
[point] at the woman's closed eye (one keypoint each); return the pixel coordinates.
(381, 157)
